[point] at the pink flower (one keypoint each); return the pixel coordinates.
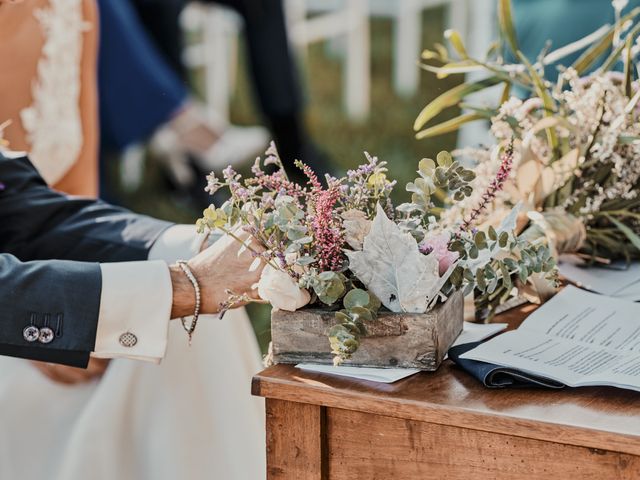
(439, 245)
(496, 185)
(327, 230)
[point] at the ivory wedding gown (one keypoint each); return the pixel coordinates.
(192, 417)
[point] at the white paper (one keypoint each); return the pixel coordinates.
(382, 375)
(471, 332)
(616, 280)
(476, 332)
(577, 338)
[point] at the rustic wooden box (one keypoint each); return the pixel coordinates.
(409, 340)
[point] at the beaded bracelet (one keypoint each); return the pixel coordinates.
(192, 278)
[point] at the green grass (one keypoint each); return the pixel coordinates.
(387, 133)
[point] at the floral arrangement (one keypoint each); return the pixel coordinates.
(344, 247)
(576, 163)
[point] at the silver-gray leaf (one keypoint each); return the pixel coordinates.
(391, 266)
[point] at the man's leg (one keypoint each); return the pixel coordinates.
(161, 20)
(273, 71)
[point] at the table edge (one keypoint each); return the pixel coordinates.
(280, 389)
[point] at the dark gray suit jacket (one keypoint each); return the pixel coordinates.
(49, 248)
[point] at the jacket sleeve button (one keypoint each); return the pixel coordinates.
(31, 333)
(46, 335)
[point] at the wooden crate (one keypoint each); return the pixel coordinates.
(409, 340)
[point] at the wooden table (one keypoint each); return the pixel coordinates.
(444, 425)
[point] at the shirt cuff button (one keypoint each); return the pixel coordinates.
(128, 339)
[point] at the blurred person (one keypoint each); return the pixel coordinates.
(274, 76)
(142, 98)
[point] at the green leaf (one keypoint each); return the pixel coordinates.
(426, 166)
(630, 234)
(628, 67)
(480, 279)
(545, 96)
(374, 303)
(444, 159)
(451, 98)
(506, 93)
(449, 126)
(456, 42)
(480, 240)
(503, 239)
(453, 68)
(506, 24)
(306, 260)
(361, 313)
(356, 298)
(588, 58)
(612, 59)
(506, 278)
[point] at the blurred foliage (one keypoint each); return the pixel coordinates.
(386, 133)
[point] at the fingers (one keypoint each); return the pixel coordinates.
(70, 375)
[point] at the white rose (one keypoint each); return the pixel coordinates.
(281, 291)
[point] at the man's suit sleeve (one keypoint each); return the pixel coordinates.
(38, 224)
(61, 295)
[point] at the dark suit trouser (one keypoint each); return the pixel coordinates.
(275, 78)
(273, 69)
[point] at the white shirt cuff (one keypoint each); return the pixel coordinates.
(136, 298)
(176, 243)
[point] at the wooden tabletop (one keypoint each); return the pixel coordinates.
(603, 418)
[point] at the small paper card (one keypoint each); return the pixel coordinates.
(476, 332)
(382, 375)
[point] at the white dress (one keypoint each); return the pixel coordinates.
(191, 417)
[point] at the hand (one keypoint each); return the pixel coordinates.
(219, 268)
(72, 375)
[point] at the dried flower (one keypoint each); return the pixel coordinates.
(494, 187)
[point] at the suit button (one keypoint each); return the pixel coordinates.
(46, 335)
(31, 333)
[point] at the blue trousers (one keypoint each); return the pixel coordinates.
(138, 90)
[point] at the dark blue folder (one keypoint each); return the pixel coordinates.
(496, 376)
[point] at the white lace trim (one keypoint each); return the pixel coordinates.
(53, 123)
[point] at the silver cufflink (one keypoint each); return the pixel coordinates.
(46, 335)
(128, 339)
(31, 333)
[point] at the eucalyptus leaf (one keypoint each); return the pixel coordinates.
(356, 298)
